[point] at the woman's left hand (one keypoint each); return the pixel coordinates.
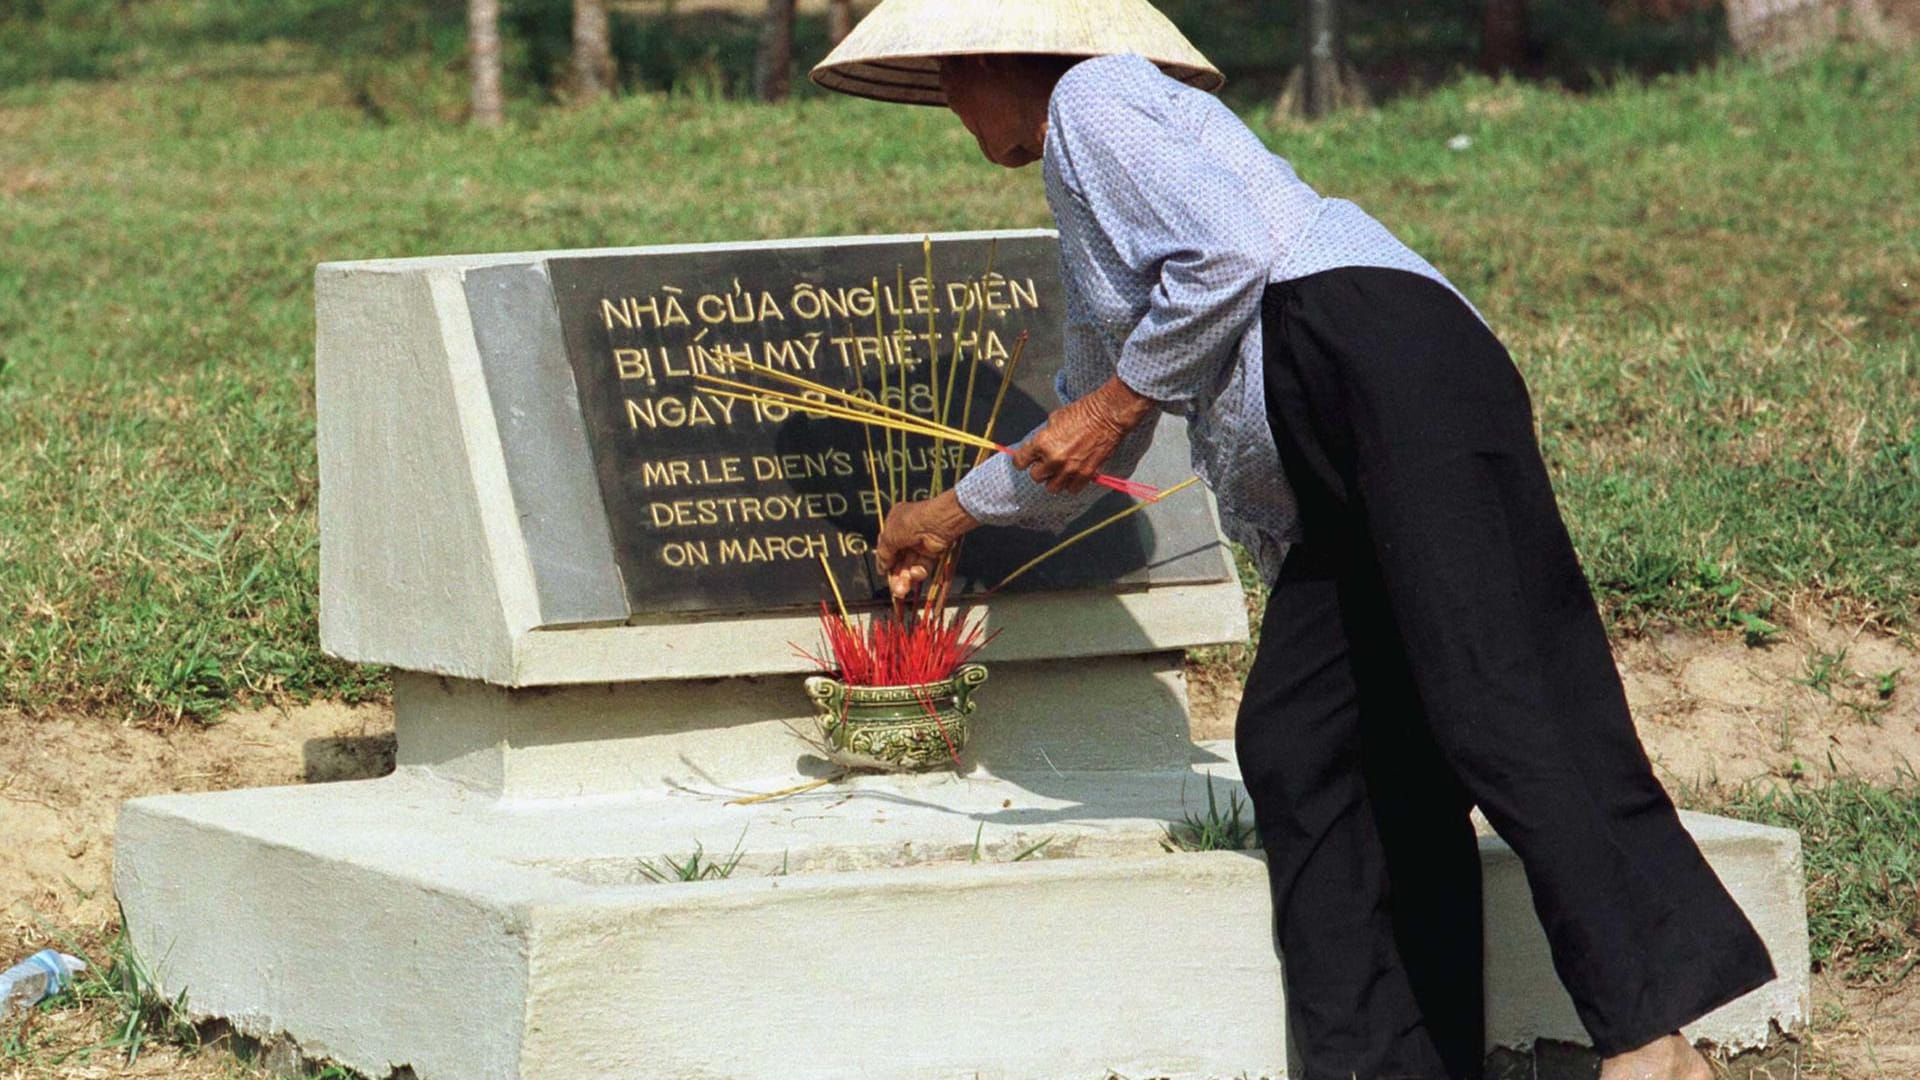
(1077, 440)
(915, 537)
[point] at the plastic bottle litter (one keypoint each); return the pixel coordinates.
(39, 976)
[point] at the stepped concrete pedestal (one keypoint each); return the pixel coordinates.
(515, 513)
(1031, 925)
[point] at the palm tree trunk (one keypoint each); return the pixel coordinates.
(1320, 84)
(483, 56)
(773, 67)
(1325, 81)
(593, 64)
(1503, 35)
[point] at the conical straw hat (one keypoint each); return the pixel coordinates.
(894, 54)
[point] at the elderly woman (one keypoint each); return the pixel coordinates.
(1430, 644)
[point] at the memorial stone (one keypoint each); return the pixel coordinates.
(589, 574)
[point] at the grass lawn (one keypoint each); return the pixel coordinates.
(1711, 281)
(1863, 871)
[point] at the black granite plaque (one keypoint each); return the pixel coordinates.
(718, 504)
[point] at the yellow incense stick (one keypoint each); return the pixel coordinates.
(926, 429)
(944, 409)
(797, 789)
(1090, 530)
(833, 392)
(866, 431)
(880, 339)
(839, 601)
(979, 332)
(783, 398)
(901, 338)
(848, 403)
(797, 402)
(836, 412)
(952, 558)
(933, 341)
(1000, 396)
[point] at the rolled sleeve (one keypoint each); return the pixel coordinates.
(1206, 300)
(996, 493)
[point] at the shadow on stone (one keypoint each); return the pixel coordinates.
(346, 757)
(1551, 1059)
(1547, 1059)
(280, 1055)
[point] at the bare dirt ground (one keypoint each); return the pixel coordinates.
(1714, 712)
(62, 781)
(1711, 711)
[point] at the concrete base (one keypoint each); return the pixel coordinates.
(1098, 714)
(884, 927)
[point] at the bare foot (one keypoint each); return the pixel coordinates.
(1670, 1057)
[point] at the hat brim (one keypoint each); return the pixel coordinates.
(915, 79)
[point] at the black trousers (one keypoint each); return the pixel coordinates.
(1431, 645)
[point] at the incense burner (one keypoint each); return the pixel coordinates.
(897, 728)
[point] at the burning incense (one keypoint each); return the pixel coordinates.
(920, 643)
(911, 649)
(907, 647)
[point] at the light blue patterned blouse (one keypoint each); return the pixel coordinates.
(1173, 219)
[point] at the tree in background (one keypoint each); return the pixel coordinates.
(1503, 36)
(839, 21)
(483, 56)
(594, 71)
(1320, 67)
(773, 67)
(1325, 80)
